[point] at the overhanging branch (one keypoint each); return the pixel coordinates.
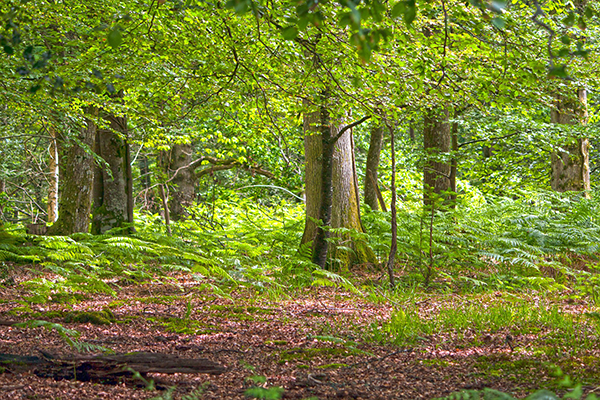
(349, 126)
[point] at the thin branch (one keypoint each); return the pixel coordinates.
(256, 170)
(488, 139)
(274, 187)
(349, 126)
(481, 39)
(540, 13)
(445, 44)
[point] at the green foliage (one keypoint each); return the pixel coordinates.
(70, 336)
(498, 242)
(195, 394)
(575, 392)
(260, 392)
(407, 326)
(486, 394)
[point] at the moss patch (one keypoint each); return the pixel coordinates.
(104, 317)
(435, 363)
(165, 300)
(522, 370)
(185, 326)
(241, 313)
(332, 366)
(276, 342)
(242, 309)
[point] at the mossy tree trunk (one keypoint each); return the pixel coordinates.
(77, 166)
(437, 140)
(313, 148)
(372, 165)
(53, 177)
(183, 182)
(571, 164)
(2, 190)
(112, 205)
(331, 192)
(454, 165)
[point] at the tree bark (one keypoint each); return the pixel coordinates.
(391, 263)
(53, 170)
(437, 144)
(313, 149)
(320, 242)
(454, 166)
(77, 166)
(182, 193)
(331, 192)
(111, 199)
(163, 196)
(146, 196)
(571, 167)
(2, 190)
(112, 368)
(373, 158)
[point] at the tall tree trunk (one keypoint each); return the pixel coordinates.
(77, 166)
(111, 199)
(146, 195)
(373, 157)
(571, 167)
(320, 241)
(313, 149)
(454, 165)
(53, 177)
(2, 190)
(437, 144)
(129, 181)
(184, 181)
(391, 263)
(331, 191)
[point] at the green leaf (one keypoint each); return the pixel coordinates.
(239, 6)
(398, 9)
(565, 39)
(354, 13)
(558, 72)
(114, 37)
(302, 23)
(498, 22)
(410, 13)
(289, 33)
(543, 395)
(589, 12)
(498, 6)
(575, 394)
(569, 20)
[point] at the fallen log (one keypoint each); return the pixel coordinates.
(113, 368)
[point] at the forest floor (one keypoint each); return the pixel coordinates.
(318, 343)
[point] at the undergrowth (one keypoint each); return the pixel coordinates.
(535, 241)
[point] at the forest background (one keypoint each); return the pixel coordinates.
(404, 154)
